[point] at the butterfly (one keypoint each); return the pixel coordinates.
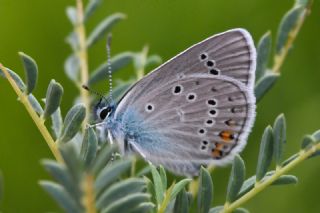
(196, 109)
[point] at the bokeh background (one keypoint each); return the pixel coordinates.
(39, 28)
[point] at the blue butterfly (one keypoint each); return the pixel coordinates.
(196, 109)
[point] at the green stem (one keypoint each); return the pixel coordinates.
(37, 120)
(89, 195)
(260, 186)
(83, 58)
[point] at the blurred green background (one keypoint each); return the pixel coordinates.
(39, 28)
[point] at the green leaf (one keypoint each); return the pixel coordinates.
(35, 104)
(119, 190)
(117, 62)
(73, 40)
(53, 98)
(158, 186)
(290, 159)
(91, 8)
(150, 189)
(240, 210)
(144, 171)
(72, 68)
(89, 147)
(263, 53)
(105, 26)
(181, 204)
(71, 160)
(61, 196)
(205, 192)
(153, 60)
(288, 23)
(16, 79)
(110, 174)
(62, 176)
(307, 142)
(127, 203)
(279, 138)
(103, 157)
(72, 123)
(316, 136)
(236, 179)
(31, 70)
(143, 208)
(179, 187)
(57, 123)
(285, 180)
(303, 3)
(264, 84)
(72, 14)
(216, 209)
(163, 176)
(265, 154)
(247, 186)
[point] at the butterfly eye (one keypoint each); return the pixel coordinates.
(104, 112)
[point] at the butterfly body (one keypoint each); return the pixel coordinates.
(196, 109)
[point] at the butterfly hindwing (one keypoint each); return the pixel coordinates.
(196, 109)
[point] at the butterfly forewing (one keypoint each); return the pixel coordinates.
(198, 108)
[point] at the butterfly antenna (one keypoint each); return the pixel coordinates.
(109, 65)
(95, 92)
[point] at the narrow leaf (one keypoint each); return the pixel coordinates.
(146, 170)
(303, 3)
(16, 79)
(72, 68)
(35, 104)
(117, 62)
(163, 176)
(153, 60)
(288, 23)
(216, 209)
(57, 122)
(143, 208)
(265, 154)
(72, 123)
(285, 180)
(71, 160)
(72, 14)
(105, 26)
(264, 84)
(91, 8)
(316, 136)
(236, 179)
(31, 70)
(64, 200)
(62, 176)
(279, 138)
(103, 157)
(240, 210)
(247, 186)
(110, 174)
(89, 147)
(53, 98)
(263, 53)
(119, 190)
(73, 40)
(290, 159)
(127, 203)
(181, 204)
(179, 187)
(307, 142)
(158, 187)
(205, 192)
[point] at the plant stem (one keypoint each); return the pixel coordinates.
(280, 57)
(37, 120)
(260, 186)
(89, 196)
(83, 58)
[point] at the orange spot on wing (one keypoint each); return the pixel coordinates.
(226, 136)
(216, 153)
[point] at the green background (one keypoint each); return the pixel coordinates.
(39, 27)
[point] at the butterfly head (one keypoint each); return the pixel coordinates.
(103, 110)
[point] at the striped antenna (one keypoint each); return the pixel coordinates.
(109, 65)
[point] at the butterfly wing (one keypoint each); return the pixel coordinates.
(196, 109)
